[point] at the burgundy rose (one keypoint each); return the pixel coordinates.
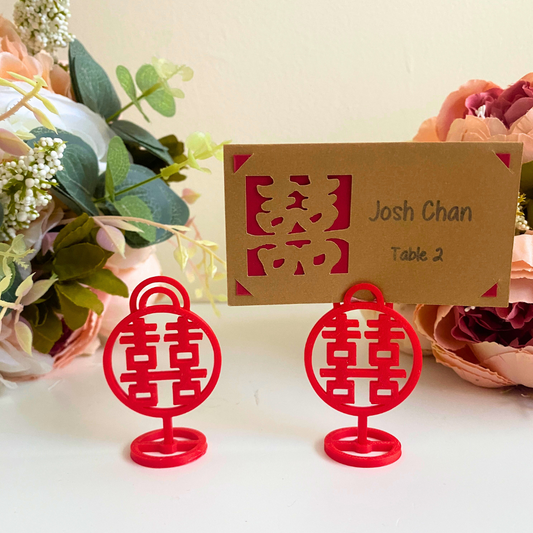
(512, 103)
(486, 98)
(511, 326)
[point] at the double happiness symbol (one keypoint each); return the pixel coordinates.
(151, 363)
(360, 446)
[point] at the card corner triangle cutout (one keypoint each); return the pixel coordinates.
(162, 355)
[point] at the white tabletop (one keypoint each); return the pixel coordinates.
(467, 463)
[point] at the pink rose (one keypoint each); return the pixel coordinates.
(487, 346)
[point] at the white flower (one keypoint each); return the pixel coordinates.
(43, 24)
(25, 184)
(73, 117)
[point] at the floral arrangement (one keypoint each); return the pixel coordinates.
(488, 346)
(84, 194)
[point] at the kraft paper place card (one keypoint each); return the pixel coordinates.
(427, 223)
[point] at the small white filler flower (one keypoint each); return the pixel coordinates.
(43, 24)
(25, 185)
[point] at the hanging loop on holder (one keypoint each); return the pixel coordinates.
(140, 295)
(378, 301)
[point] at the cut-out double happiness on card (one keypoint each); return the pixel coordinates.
(426, 222)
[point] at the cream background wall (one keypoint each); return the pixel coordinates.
(305, 71)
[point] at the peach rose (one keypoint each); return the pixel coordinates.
(14, 57)
(488, 363)
(522, 269)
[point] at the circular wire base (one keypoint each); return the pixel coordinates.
(341, 445)
(150, 449)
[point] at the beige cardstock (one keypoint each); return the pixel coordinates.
(427, 223)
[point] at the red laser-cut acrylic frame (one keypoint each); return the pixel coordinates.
(342, 444)
(170, 446)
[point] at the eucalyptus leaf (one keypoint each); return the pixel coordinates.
(1, 215)
(165, 205)
(126, 81)
(79, 177)
(118, 165)
(133, 206)
(132, 134)
(163, 102)
(90, 83)
(161, 99)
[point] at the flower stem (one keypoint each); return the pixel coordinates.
(166, 227)
(128, 189)
(23, 101)
(144, 94)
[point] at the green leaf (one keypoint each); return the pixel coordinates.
(73, 315)
(529, 207)
(6, 275)
(74, 232)
(133, 206)
(78, 180)
(132, 134)
(78, 260)
(118, 165)
(175, 147)
(90, 83)
(47, 334)
(80, 296)
(104, 280)
(24, 336)
(176, 151)
(31, 313)
(161, 100)
(16, 279)
(526, 178)
(1, 215)
(126, 81)
(165, 205)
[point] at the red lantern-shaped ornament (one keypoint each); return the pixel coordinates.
(174, 363)
(356, 446)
